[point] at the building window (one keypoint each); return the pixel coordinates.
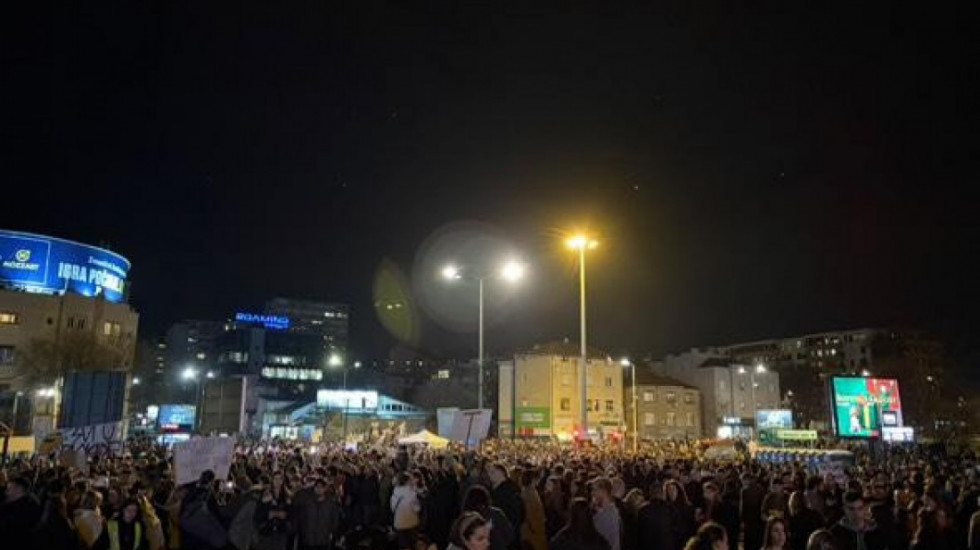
(649, 419)
(566, 404)
(671, 398)
(688, 398)
(671, 419)
(609, 405)
(648, 396)
(201, 356)
(609, 381)
(8, 318)
(690, 419)
(6, 355)
(111, 329)
(443, 374)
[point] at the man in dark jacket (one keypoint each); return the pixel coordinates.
(854, 531)
(506, 496)
(19, 514)
(720, 511)
(750, 508)
(317, 516)
(654, 521)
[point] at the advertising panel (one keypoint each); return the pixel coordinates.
(773, 418)
(347, 399)
(177, 418)
(861, 405)
(898, 435)
(533, 417)
(48, 265)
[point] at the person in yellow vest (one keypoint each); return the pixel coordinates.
(125, 531)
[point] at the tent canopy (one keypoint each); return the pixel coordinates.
(425, 437)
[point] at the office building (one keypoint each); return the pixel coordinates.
(328, 320)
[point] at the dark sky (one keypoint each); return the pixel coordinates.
(752, 173)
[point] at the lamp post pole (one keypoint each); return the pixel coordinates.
(636, 425)
(479, 359)
(583, 376)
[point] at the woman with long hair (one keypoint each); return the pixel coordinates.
(777, 535)
(470, 531)
(711, 536)
(579, 533)
(478, 500)
(89, 522)
(821, 539)
(683, 513)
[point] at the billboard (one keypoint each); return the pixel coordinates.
(862, 406)
(47, 265)
(347, 399)
(898, 435)
(773, 418)
(533, 417)
(177, 418)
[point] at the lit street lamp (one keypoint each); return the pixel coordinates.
(581, 243)
(511, 272)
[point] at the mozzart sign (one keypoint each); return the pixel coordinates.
(48, 265)
(274, 322)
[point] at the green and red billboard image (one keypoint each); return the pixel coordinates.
(863, 405)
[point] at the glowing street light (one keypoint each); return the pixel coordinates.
(210, 374)
(451, 273)
(136, 380)
(512, 271)
(190, 373)
(335, 360)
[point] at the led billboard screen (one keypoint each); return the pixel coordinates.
(177, 418)
(862, 406)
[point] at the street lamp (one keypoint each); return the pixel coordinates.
(189, 373)
(636, 428)
(512, 271)
(581, 243)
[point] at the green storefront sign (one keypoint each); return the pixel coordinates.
(796, 435)
(533, 417)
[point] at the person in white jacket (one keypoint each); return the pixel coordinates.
(405, 508)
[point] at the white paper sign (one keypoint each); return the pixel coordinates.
(470, 426)
(95, 439)
(192, 458)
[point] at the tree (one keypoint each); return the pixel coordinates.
(46, 359)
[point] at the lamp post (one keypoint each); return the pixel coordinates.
(581, 243)
(512, 272)
(636, 427)
(190, 374)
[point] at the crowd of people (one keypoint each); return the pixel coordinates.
(506, 495)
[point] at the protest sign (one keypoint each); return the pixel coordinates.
(95, 439)
(191, 458)
(470, 426)
(74, 458)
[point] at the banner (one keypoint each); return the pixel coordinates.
(95, 439)
(192, 458)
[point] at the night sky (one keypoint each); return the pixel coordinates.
(751, 174)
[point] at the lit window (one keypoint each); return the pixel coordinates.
(443, 374)
(6, 355)
(689, 398)
(671, 398)
(7, 318)
(201, 356)
(690, 419)
(671, 419)
(649, 419)
(111, 329)
(648, 396)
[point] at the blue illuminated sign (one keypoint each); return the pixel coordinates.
(274, 322)
(47, 265)
(177, 418)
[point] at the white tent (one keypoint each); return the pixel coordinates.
(425, 437)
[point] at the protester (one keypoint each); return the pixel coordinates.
(470, 532)
(405, 508)
(502, 535)
(124, 532)
(710, 536)
(19, 513)
(580, 532)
